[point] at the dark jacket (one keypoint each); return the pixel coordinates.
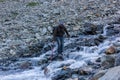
(60, 31)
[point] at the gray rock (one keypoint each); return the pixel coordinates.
(112, 74)
(25, 65)
(90, 29)
(117, 60)
(62, 74)
(108, 61)
(99, 74)
(112, 31)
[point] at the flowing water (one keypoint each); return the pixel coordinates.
(75, 59)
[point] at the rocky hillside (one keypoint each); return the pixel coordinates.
(92, 52)
(25, 23)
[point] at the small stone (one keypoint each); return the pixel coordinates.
(64, 67)
(25, 65)
(110, 50)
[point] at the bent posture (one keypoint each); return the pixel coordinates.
(58, 35)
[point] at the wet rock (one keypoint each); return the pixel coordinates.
(110, 50)
(112, 74)
(89, 29)
(23, 52)
(43, 66)
(98, 75)
(98, 59)
(99, 39)
(5, 68)
(47, 48)
(85, 71)
(78, 48)
(108, 61)
(90, 62)
(30, 51)
(74, 76)
(99, 29)
(117, 60)
(82, 78)
(42, 61)
(82, 72)
(115, 22)
(62, 74)
(112, 31)
(25, 65)
(117, 45)
(35, 48)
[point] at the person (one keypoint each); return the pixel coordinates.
(58, 36)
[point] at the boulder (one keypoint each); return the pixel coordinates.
(98, 74)
(89, 28)
(117, 60)
(25, 65)
(99, 39)
(112, 31)
(85, 71)
(107, 61)
(112, 74)
(110, 50)
(62, 74)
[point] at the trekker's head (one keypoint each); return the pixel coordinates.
(61, 22)
(60, 25)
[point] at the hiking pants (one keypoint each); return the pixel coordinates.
(60, 42)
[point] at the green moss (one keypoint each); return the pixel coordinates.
(16, 0)
(32, 3)
(6, 0)
(2, 0)
(14, 14)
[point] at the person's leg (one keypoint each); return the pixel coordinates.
(61, 44)
(58, 44)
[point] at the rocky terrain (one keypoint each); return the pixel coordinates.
(26, 32)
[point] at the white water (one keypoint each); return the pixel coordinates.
(76, 59)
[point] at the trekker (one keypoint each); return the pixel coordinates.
(58, 35)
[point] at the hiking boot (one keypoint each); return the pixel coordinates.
(60, 57)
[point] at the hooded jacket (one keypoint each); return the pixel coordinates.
(60, 31)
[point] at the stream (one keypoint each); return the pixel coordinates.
(79, 52)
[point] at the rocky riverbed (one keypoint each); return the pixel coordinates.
(92, 52)
(86, 57)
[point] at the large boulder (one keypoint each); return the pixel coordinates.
(117, 60)
(62, 74)
(99, 74)
(89, 29)
(111, 30)
(107, 61)
(112, 74)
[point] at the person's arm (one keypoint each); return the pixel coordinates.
(66, 32)
(54, 34)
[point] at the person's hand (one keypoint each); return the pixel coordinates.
(68, 36)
